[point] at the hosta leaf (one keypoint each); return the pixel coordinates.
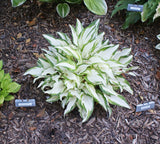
(88, 103)
(74, 35)
(16, 3)
(123, 53)
(48, 71)
(158, 46)
(75, 92)
(125, 84)
(108, 89)
(88, 33)
(118, 100)
(96, 96)
(69, 84)
(98, 7)
(157, 14)
(9, 98)
(35, 71)
(53, 98)
(1, 75)
(64, 37)
(158, 36)
(126, 60)
(68, 64)
(43, 63)
(53, 41)
(81, 68)
(107, 53)
(63, 9)
(13, 87)
(94, 77)
(71, 105)
(51, 59)
(149, 9)
(57, 88)
(79, 27)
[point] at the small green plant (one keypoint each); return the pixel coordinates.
(83, 70)
(158, 45)
(151, 11)
(98, 7)
(7, 86)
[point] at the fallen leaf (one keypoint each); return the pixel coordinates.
(19, 35)
(28, 41)
(31, 23)
(41, 113)
(158, 75)
(32, 128)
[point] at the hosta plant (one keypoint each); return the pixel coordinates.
(158, 45)
(98, 7)
(7, 87)
(151, 11)
(83, 70)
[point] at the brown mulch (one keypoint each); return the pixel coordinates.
(21, 42)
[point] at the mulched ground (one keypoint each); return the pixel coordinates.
(21, 42)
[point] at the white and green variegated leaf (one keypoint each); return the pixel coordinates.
(63, 9)
(125, 52)
(84, 69)
(53, 41)
(157, 14)
(124, 83)
(53, 98)
(58, 87)
(71, 105)
(106, 53)
(158, 45)
(64, 37)
(79, 27)
(88, 104)
(117, 100)
(74, 35)
(35, 71)
(68, 64)
(88, 33)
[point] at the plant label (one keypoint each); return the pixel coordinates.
(145, 106)
(25, 103)
(136, 8)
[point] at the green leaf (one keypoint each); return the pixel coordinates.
(9, 98)
(121, 4)
(13, 87)
(1, 100)
(131, 18)
(74, 1)
(63, 9)
(98, 7)
(1, 64)
(1, 75)
(16, 3)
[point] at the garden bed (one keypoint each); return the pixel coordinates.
(21, 44)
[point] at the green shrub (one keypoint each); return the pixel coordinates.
(7, 86)
(158, 45)
(151, 10)
(98, 7)
(83, 70)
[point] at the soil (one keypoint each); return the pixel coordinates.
(21, 44)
